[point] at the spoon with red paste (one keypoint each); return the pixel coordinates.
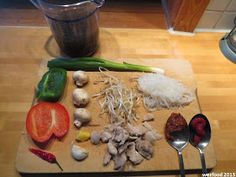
(177, 135)
(200, 135)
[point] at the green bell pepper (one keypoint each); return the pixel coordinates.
(52, 85)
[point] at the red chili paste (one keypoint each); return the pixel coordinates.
(176, 122)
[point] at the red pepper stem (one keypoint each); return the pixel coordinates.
(59, 165)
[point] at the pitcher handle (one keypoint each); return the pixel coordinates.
(99, 3)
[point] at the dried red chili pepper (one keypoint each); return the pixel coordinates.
(47, 156)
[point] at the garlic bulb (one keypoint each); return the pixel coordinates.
(80, 97)
(80, 78)
(78, 152)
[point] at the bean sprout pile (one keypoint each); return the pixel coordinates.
(116, 99)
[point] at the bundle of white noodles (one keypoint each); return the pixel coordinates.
(163, 92)
(117, 100)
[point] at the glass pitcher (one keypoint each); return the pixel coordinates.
(74, 24)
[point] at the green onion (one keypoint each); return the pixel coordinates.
(93, 64)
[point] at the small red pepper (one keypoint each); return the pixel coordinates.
(47, 156)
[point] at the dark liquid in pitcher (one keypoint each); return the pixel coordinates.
(77, 37)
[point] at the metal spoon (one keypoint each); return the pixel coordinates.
(179, 142)
(204, 141)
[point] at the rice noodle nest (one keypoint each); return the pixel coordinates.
(161, 91)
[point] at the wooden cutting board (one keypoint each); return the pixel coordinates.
(165, 158)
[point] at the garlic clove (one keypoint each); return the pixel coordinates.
(82, 136)
(95, 137)
(78, 153)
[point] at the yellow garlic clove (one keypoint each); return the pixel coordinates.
(82, 136)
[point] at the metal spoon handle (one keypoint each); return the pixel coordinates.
(202, 157)
(181, 164)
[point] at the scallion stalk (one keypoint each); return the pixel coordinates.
(93, 64)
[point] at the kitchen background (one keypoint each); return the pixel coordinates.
(219, 15)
